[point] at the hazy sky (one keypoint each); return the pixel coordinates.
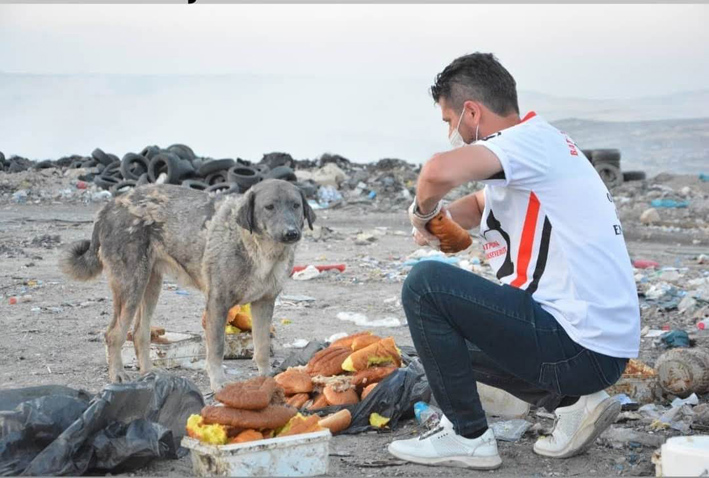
(567, 50)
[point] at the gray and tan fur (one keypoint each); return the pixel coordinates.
(236, 250)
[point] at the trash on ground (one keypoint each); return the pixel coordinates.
(310, 272)
(675, 338)
(669, 203)
(683, 456)
(510, 430)
(363, 321)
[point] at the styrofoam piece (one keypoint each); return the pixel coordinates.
(499, 403)
(181, 350)
(296, 455)
(685, 456)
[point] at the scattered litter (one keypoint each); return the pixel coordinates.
(643, 264)
(362, 320)
(296, 344)
(297, 298)
(675, 338)
(691, 400)
(510, 430)
(310, 272)
(286, 321)
(181, 292)
(669, 203)
(627, 435)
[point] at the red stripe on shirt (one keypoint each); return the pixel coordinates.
(527, 243)
(529, 115)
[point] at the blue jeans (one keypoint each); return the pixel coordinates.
(467, 329)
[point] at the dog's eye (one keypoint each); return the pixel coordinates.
(296, 205)
(269, 207)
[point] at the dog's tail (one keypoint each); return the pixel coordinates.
(81, 261)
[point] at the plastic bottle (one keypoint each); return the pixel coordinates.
(703, 324)
(427, 416)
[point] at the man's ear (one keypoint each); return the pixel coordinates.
(308, 211)
(245, 215)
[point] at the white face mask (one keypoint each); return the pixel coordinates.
(455, 138)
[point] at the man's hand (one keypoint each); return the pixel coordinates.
(419, 221)
(422, 241)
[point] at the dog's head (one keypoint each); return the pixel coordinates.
(276, 209)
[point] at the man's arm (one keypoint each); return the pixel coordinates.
(467, 211)
(449, 170)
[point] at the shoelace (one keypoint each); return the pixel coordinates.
(430, 432)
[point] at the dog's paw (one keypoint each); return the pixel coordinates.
(119, 377)
(217, 383)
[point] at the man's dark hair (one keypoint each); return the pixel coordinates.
(478, 77)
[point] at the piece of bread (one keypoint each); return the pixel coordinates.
(273, 416)
(453, 237)
(240, 317)
(318, 402)
(298, 400)
(364, 341)
(346, 397)
(372, 375)
(328, 362)
(254, 394)
(381, 353)
(294, 381)
(247, 436)
(337, 421)
(347, 341)
(300, 424)
(368, 389)
(156, 334)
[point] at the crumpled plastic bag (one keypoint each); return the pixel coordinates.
(675, 338)
(58, 431)
(393, 398)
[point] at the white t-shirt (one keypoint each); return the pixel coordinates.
(550, 227)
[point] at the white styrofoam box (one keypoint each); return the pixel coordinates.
(296, 455)
(181, 350)
(685, 456)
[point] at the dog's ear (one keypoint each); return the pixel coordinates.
(245, 215)
(308, 211)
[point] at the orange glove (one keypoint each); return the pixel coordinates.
(453, 237)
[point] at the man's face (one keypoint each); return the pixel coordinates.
(450, 116)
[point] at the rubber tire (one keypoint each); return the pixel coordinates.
(122, 184)
(610, 174)
(244, 176)
(176, 168)
(609, 156)
(195, 184)
(281, 172)
(76, 164)
(113, 169)
(224, 188)
(634, 175)
(149, 152)
(216, 178)
(183, 151)
(143, 179)
(101, 157)
(90, 163)
(132, 162)
(106, 182)
(46, 164)
(215, 166)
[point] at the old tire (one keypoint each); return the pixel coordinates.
(195, 184)
(244, 176)
(149, 152)
(46, 164)
(133, 166)
(281, 172)
(183, 151)
(634, 175)
(101, 157)
(106, 182)
(113, 169)
(216, 178)
(214, 166)
(169, 163)
(610, 174)
(143, 179)
(610, 156)
(116, 188)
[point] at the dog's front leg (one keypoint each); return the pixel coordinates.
(262, 314)
(217, 311)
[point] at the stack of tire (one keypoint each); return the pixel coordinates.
(179, 165)
(607, 163)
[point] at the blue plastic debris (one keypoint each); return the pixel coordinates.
(669, 203)
(675, 338)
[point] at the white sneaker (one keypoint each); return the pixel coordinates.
(578, 425)
(441, 446)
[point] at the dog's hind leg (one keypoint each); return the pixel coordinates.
(262, 314)
(141, 327)
(127, 295)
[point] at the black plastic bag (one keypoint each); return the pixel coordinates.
(121, 429)
(393, 398)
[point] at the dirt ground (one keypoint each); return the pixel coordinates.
(57, 337)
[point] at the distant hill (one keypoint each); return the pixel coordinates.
(680, 145)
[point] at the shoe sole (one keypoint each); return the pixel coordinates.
(476, 463)
(602, 417)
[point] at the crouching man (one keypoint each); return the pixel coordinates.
(561, 327)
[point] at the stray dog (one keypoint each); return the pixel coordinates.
(235, 249)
